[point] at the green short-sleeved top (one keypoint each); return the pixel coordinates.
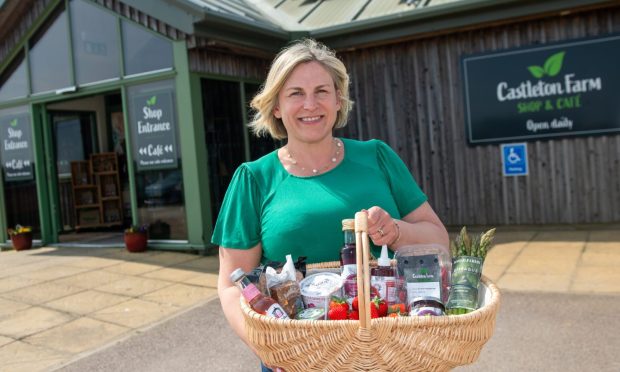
(303, 216)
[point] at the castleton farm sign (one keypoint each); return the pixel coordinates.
(559, 90)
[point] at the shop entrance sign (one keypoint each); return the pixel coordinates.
(16, 153)
(154, 131)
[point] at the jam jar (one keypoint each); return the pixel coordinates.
(427, 306)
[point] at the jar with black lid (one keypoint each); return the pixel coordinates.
(427, 306)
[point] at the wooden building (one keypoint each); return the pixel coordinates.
(76, 76)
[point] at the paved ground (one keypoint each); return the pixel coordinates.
(92, 309)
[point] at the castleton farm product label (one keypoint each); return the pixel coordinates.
(466, 271)
(422, 275)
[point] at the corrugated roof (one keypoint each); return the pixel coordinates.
(308, 15)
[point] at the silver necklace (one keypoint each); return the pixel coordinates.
(318, 170)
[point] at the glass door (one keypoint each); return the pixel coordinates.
(73, 141)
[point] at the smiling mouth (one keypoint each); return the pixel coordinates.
(310, 119)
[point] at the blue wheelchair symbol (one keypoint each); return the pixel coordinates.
(514, 159)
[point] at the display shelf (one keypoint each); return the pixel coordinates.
(96, 191)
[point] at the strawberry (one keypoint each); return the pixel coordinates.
(337, 313)
(355, 303)
(354, 314)
(374, 312)
(393, 315)
(337, 302)
(382, 307)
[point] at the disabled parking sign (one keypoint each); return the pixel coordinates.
(514, 159)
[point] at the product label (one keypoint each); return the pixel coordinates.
(466, 270)
(250, 292)
(423, 289)
(463, 296)
(384, 287)
(276, 311)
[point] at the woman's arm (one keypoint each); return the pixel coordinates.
(231, 259)
(420, 226)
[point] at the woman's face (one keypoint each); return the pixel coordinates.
(308, 103)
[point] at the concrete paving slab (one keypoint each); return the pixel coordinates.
(26, 268)
(77, 335)
(86, 302)
(493, 272)
(91, 279)
(22, 357)
(30, 321)
(181, 295)
(603, 247)
(5, 340)
(535, 282)
(203, 280)
(504, 254)
(561, 236)
(15, 282)
(203, 264)
(135, 313)
(132, 268)
(596, 279)
(552, 249)
(133, 286)
(612, 236)
(41, 293)
(600, 259)
(549, 264)
(168, 258)
(169, 274)
(54, 272)
(125, 255)
(8, 307)
(95, 262)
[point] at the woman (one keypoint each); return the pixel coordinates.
(292, 201)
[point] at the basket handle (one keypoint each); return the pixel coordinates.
(363, 269)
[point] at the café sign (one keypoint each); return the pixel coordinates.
(154, 132)
(16, 151)
(559, 90)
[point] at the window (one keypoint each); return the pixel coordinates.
(14, 83)
(144, 51)
(157, 162)
(95, 43)
(49, 57)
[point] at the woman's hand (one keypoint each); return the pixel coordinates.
(382, 228)
(420, 226)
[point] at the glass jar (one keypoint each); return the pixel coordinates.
(427, 306)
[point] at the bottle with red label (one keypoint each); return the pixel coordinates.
(382, 278)
(258, 302)
(348, 261)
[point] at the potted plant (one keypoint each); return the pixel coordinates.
(136, 238)
(21, 237)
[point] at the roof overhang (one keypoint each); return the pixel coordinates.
(444, 18)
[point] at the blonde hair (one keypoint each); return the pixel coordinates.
(303, 51)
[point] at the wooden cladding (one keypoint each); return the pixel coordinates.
(411, 96)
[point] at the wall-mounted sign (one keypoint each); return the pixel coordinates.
(153, 131)
(514, 159)
(558, 90)
(16, 153)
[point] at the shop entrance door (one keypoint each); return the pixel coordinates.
(87, 171)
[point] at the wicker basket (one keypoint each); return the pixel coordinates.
(381, 344)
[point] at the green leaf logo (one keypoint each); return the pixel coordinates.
(151, 101)
(13, 122)
(552, 66)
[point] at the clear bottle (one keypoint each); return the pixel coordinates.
(348, 261)
(258, 302)
(382, 278)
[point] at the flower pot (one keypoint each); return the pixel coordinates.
(136, 241)
(22, 241)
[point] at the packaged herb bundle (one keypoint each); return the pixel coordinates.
(468, 258)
